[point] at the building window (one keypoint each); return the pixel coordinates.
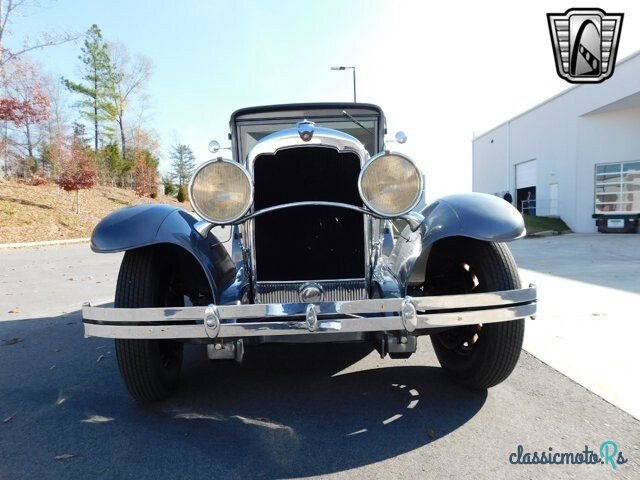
(617, 187)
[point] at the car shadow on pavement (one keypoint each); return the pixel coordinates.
(286, 411)
(295, 412)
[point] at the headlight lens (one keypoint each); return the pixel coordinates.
(390, 184)
(221, 191)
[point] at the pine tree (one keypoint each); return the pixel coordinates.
(183, 165)
(98, 82)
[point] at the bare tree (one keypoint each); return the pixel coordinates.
(58, 114)
(132, 76)
(8, 10)
(57, 128)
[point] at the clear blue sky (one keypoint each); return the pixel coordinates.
(439, 72)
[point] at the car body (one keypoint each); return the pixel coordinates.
(315, 255)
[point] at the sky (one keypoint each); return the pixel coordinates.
(442, 72)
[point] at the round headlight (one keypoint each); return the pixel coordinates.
(221, 191)
(390, 184)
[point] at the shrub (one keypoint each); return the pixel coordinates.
(170, 188)
(37, 180)
(183, 196)
(78, 172)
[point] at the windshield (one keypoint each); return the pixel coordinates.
(363, 126)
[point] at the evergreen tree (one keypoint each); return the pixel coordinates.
(115, 164)
(169, 187)
(98, 82)
(183, 165)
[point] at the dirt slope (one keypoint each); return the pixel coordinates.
(45, 212)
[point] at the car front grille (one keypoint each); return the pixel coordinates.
(308, 243)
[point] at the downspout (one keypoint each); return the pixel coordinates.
(509, 167)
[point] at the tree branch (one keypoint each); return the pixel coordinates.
(49, 43)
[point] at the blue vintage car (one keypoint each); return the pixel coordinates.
(330, 241)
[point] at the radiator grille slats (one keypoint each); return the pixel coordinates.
(334, 291)
(311, 242)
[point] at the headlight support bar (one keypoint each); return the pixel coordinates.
(413, 218)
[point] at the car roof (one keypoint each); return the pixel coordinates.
(305, 109)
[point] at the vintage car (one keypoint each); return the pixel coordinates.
(328, 243)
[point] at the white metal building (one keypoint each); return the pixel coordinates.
(573, 155)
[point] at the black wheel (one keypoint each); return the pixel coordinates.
(150, 368)
(479, 356)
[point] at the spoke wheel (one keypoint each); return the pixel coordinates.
(479, 356)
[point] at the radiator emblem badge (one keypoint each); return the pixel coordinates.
(311, 293)
(305, 130)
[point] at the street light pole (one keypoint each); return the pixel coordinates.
(353, 69)
(354, 84)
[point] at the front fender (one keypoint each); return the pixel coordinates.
(154, 224)
(475, 215)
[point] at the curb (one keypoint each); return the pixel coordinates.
(545, 233)
(46, 243)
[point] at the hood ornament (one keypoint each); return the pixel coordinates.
(305, 129)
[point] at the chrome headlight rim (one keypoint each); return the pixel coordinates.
(420, 184)
(249, 199)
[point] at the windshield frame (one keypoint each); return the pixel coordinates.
(290, 114)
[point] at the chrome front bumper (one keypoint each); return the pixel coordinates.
(264, 320)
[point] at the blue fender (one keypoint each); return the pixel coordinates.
(474, 215)
(153, 224)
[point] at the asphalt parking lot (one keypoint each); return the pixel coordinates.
(287, 411)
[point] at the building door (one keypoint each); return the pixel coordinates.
(526, 187)
(553, 199)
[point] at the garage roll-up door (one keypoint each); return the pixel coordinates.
(526, 174)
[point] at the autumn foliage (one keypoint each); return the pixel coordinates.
(96, 135)
(27, 101)
(145, 174)
(37, 180)
(77, 170)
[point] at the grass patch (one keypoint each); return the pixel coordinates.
(536, 224)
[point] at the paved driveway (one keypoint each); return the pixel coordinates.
(588, 325)
(286, 412)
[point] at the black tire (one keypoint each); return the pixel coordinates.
(478, 356)
(150, 368)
